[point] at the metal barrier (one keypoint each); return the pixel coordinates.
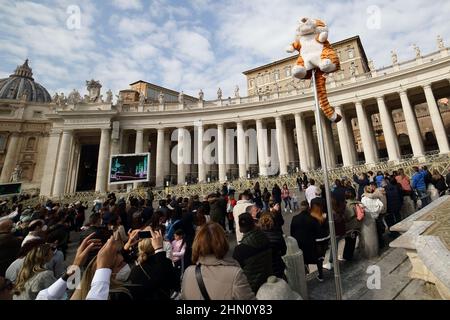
(440, 162)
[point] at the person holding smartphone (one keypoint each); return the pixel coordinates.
(153, 277)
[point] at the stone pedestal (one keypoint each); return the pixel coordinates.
(423, 237)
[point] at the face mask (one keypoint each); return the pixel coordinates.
(123, 273)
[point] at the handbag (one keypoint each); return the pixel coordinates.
(201, 284)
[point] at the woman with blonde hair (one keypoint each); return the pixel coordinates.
(221, 276)
(153, 277)
(33, 276)
(373, 206)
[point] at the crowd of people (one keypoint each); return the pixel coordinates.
(222, 246)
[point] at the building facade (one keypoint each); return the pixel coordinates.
(277, 76)
(388, 114)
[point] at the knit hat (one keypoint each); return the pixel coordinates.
(276, 289)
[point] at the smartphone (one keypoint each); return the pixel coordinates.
(144, 234)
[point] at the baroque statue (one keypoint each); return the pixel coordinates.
(94, 89)
(109, 96)
(161, 97)
(417, 50)
(16, 174)
(181, 98)
(236, 92)
(440, 42)
(394, 57)
(74, 97)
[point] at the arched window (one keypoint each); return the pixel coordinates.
(31, 143)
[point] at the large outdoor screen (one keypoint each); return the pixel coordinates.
(127, 168)
(10, 189)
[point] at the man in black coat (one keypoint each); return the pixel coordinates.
(276, 194)
(9, 245)
(301, 230)
(394, 198)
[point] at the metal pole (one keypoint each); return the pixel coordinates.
(323, 160)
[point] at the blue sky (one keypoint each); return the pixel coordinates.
(188, 45)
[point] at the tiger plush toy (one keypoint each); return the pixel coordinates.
(317, 53)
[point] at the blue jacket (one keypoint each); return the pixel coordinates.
(418, 181)
(378, 180)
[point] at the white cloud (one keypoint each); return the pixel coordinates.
(192, 47)
(143, 51)
(135, 27)
(171, 72)
(262, 29)
(163, 8)
(128, 4)
(198, 44)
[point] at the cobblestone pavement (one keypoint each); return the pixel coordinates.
(441, 227)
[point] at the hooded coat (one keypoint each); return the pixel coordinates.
(254, 255)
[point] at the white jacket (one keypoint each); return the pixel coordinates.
(374, 206)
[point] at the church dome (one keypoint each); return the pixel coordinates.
(21, 84)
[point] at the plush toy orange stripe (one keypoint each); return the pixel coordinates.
(322, 95)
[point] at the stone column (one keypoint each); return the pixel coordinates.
(200, 146)
(364, 131)
(328, 141)
(373, 138)
(285, 142)
(390, 136)
(116, 143)
(62, 164)
(351, 138)
(415, 137)
(280, 146)
(310, 145)
(436, 119)
(103, 162)
(241, 150)
(50, 164)
(139, 148)
(181, 168)
(221, 152)
(261, 135)
(345, 143)
(167, 161)
(115, 149)
(159, 182)
(231, 150)
(300, 129)
(11, 158)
